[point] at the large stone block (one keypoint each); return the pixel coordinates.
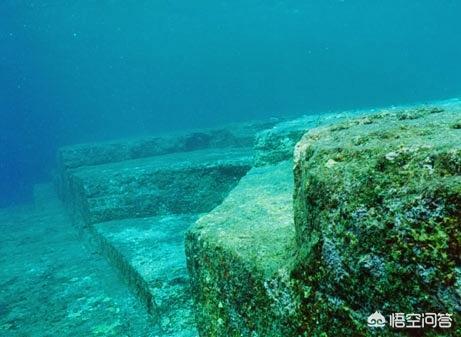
(149, 253)
(238, 258)
(378, 220)
(276, 144)
(377, 228)
(189, 182)
(75, 156)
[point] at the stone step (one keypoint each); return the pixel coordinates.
(377, 207)
(238, 257)
(91, 154)
(374, 226)
(190, 182)
(149, 253)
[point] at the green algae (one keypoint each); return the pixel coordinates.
(378, 222)
(376, 228)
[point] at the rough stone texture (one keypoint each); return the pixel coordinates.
(276, 144)
(52, 284)
(110, 188)
(236, 135)
(237, 258)
(149, 252)
(378, 220)
(377, 227)
(75, 156)
(192, 182)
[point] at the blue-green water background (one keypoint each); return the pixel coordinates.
(77, 71)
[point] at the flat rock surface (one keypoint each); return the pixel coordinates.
(174, 161)
(190, 182)
(90, 154)
(256, 210)
(277, 143)
(154, 248)
(238, 256)
(51, 284)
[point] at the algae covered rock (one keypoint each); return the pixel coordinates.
(192, 182)
(376, 228)
(238, 135)
(235, 135)
(149, 253)
(276, 144)
(377, 211)
(237, 259)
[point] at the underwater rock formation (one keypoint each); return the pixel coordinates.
(237, 258)
(91, 154)
(52, 284)
(193, 182)
(276, 144)
(378, 219)
(377, 227)
(137, 198)
(150, 254)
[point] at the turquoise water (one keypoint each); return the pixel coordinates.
(92, 239)
(90, 70)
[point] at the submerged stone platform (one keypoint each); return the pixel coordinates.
(374, 224)
(192, 182)
(149, 252)
(137, 209)
(93, 154)
(238, 257)
(377, 227)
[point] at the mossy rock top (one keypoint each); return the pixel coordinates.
(403, 130)
(378, 217)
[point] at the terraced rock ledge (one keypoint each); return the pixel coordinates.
(192, 182)
(138, 197)
(238, 257)
(374, 223)
(377, 227)
(150, 254)
(73, 157)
